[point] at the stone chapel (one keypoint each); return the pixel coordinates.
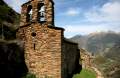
(47, 53)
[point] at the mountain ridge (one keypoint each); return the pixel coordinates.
(97, 42)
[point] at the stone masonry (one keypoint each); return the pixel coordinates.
(47, 52)
(87, 58)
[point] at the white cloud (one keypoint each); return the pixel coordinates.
(72, 12)
(109, 12)
(71, 30)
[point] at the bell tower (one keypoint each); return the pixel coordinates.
(38, 11)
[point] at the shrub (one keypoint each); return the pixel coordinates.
(29, 75)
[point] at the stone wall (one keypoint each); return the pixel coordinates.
(86, 58)
(43, 52)
(70, 59)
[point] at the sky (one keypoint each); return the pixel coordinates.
(82, 16)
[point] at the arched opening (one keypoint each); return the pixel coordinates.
(41, 13)
(29, 14)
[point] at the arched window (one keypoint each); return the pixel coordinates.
(29, 13)
(41, 14)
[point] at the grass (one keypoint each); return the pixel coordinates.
(85, 73)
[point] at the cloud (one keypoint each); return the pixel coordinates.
(109, 12)
(72, 12)
(71, 30)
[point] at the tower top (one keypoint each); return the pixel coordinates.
(38, 11)
(37, 1)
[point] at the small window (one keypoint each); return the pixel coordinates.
(33, 34)
(34, 46)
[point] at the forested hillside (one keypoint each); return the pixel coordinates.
(9, 21)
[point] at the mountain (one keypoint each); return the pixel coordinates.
(9, 21)
(106, 47)
(114, 52)
(97, 42)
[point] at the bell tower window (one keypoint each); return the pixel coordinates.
(41, 14)
(29, 13)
